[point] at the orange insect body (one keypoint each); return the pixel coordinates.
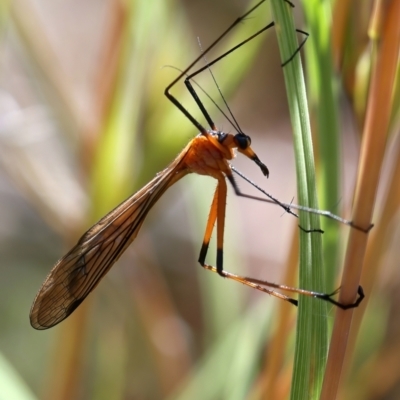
(205, 155)
(76, 274)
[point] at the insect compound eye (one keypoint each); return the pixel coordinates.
(243, 141)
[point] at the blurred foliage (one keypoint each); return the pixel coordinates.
(84, 123)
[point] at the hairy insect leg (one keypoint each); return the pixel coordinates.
(212, 216)
(253, 285)
(264, 286)
(318, 295)
(285, 206)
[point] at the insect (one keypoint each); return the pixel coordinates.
(76, 274)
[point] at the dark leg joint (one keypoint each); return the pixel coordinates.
(293, 301)
(311, 230)
(290, 3)
(328, 297)
(361, 229)
(203, 253)
(220, 262)
(298, 49)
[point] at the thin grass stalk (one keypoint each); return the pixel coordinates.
(311, 333)
(277, 346)
(372, 155)
(323, 99)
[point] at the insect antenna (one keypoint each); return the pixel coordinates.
(211, 99)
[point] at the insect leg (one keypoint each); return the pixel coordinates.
(217, 213)
(212, 216)
(185, 71)
(287, 207)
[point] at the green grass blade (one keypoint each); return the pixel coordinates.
(11, 383)
(212, 379)
(324, 107)
(311, 339)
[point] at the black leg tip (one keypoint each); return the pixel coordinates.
(310, 230)
(293, 301)
(221, 273)
(290, 3)
(359, 228)
(328, 297)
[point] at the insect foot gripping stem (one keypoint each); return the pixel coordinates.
(328, 298)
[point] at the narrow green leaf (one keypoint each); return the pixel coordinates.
(311, 339)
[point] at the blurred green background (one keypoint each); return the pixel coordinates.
(84, 123)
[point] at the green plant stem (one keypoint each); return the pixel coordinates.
(311, 333)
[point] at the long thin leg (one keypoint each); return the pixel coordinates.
(318, 295)
(288, 207)
(212, 216)
(285, 206)
(270, 199)
(221, 208)
(217, 213)
(209, 64)
(246, 282)
(185, 71)
(270, 25)
(260, 285)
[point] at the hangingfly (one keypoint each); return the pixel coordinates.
(76, 274)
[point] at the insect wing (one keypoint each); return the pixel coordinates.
(76, 274)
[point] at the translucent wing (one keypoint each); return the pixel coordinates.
(76, 274)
